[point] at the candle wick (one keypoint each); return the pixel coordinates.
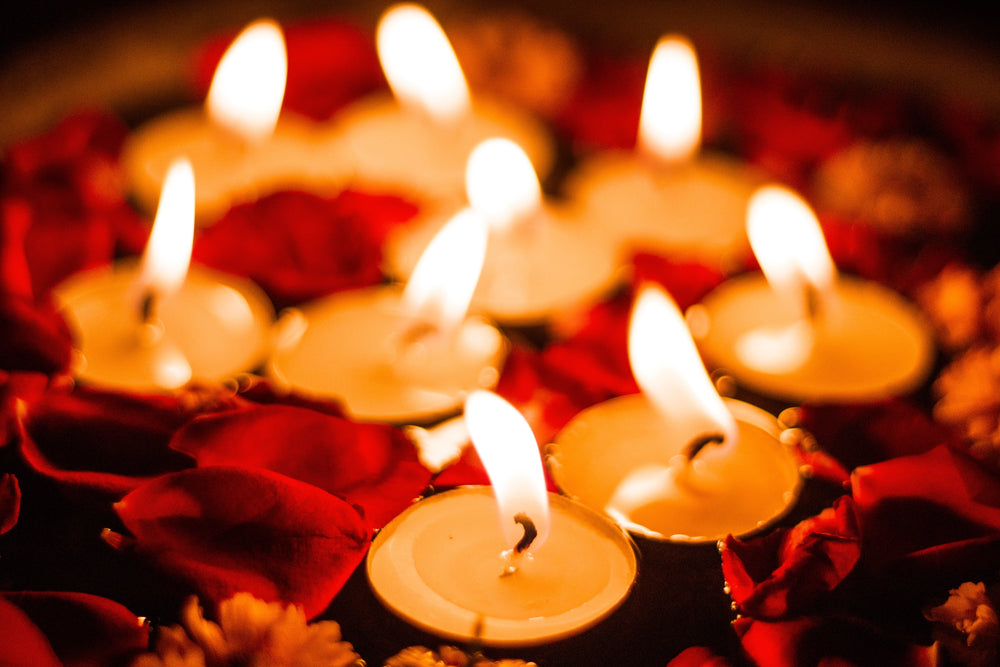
(150, 330)
(530, 532)
(513, 556)
(700, 442)
(417, 332)
(814, 303)
(148, 307)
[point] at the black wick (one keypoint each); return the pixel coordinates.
(813, 302)
(530, 532)
(148, 307)
(417, 332)
(702, 441)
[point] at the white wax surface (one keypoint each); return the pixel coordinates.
(404, 151)
(878, 346)
(437, 565)
(555, 262)
(228, 170)
(220, 324)
(349, 351)
(730, 490)
(695, 210)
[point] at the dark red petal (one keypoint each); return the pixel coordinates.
(102, 441)
(371, 465)
(21, 642)
(933, 517)
(824, 642)
(791, 572)
(84, 629)
(32, 337)
(698, 656)
(222, 530)
(298, 246)
(10, 502)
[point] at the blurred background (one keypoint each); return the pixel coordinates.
(58, 54)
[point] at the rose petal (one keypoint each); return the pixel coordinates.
(864, 434)
(102, 442)
(10, 502)
(826, 643)
(698, 656)
(223, 530)
(371, 465)
(298, 246)
(32, 337)
(932, 519)
(21, 642)
(84, 629)
(789, 572)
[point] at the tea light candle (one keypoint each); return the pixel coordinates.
(401, 355)
(800, 331)
(238, 147)
(542, 258)
(418, 139)
(667, 195)
(158, 324)
(550, 569)
(675, 461)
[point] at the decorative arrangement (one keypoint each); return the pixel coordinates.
(185, 480)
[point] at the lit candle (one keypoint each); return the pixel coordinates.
(549, 569)
(668, 195)
(402, 355)
(542, 259)
(675, 461)
(238, 147)
(802, 332)
(418, 139)
(158, 324)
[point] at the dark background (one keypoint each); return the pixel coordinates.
(25, 21)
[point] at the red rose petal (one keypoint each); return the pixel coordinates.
(824, 642)
(864, 434)
(223, 530)
(698, 656)
(10, 502)
(84, 629)
(21, 642)
(787, 572)
(32, 337)
(371, 465)
(298, 246)
(932, 518)
(102, 442)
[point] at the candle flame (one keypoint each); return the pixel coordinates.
(501, 183)
(249, 83)
(509, 452)
(668, 369)
(420, 64)
(168, 250)
(442, 283)
(670, 120)
(788, 242)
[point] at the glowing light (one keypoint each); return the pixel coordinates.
(668, 369)
(168, 250)
(789, 245)
(442, 283)
(420, 64)
(509, 452)
(501, 183)
(249, 83)
(670, 120)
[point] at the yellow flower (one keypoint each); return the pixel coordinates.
(250, 632)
